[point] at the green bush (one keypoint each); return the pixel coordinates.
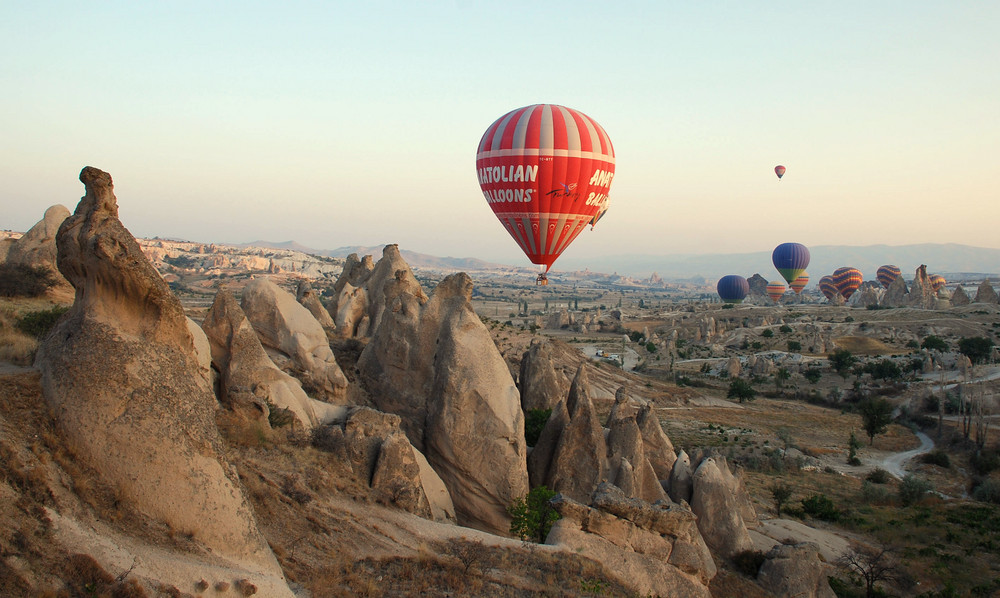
(18, 280)
(912, 489)
(785, 328)
(794, 346)
(878, 476)
(988, 491)
(278, 417)
(934, 343)
(534, 422)
(39, 323)
(985, 461)
(936, 457)
(768, 333)
(532, 516)
(813, 375)
(820, 507)
(875, 494)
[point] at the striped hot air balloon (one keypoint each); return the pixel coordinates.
(887, 274)
(546, 172)
(937, 282)
(775, 289)
(827, 287)
(800, 283)
(847, 280)
(791, 260)
(733, 288)
(780, 171)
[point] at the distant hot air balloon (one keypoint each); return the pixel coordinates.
(887, 274)
(546, 171)
(827, 287)
(780, 171)
(800, 283)
(775, 289)
(937, 282)
(732, 288)
(847, 280)
(791, 260)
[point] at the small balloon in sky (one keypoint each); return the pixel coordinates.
(780, 171)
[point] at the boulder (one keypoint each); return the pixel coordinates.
(733, 367)
(985, 293)
(433, 362)
(719, 519)
(287, 328)
(305, 295)
(120, 374)
(653, 550)
(796, 570)
(541, 385)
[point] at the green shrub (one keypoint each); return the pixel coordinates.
(985, 461)
(820, 507)
(988, 491)
(768, 333)
(912, 489)
(39, 323)
(934, 343)
(794, 346)
(748, 562)
(278, 417)
(785, 328)
(534, 422)
(532, 516)
(878, 476)
(813, 375)
(936, 457)
(19, 280)
(875, 494)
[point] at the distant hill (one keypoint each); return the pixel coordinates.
(414, 259)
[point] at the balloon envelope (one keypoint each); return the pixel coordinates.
(847, 280)
(775, 289)
(791, 260)
(780, 171)
(937, 282)
(827, 287)
(546, 172)
(732, 288)
(800, 283)
(887, 274)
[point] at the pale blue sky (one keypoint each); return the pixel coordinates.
(357, 123)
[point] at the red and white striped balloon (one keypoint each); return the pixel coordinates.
(546, 172)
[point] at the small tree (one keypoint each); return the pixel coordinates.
(768, 333)
(934, 343)
(977, 349)
(876, 415)
(532, 516)
(841, 360)
(813, 375)
(741, 390)
(780, 493)
(780, 376)
(853, 444)
(873, 565)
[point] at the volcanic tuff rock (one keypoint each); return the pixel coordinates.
(289, 331)
(659, 449)
(120, 374)
(719, 518)
(433, 363)
(651, 549)
(37, 247)
(305, 295)
(758, 285)
(540, 384)
(959, 297)
(361, 292)
(922, 291)
(796, 570)
(985, 293)
(249, 379)
(895, 295)
(680, 484)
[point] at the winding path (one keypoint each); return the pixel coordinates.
(894, 463)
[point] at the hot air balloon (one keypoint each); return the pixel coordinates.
(937, 282)
(775, 289)
(827, 287)
(791, 260)
(800, 283)
(545, 171)
(887, 274)
(847, 280)
(780, 171)
(733, 288)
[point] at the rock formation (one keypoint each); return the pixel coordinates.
(540, 384)
(718, 511)
(733, 367)
(679, 486)
(434, 363)
(895, 295)
(922, 293)
(959, 297)
(121, 377)
(293, 337)
(796, 570)
(361, 296)
(758, 286)
(37, 247)
(658, 448)
(305, 295)
(985, 293)
(651, 549)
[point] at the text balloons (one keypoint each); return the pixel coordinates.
(791, 260)
(887, 274)
(732, 288)
(847, 280)
(780, 171)
(546, 172)
(800, 283)
(827, 287)
(775, 289)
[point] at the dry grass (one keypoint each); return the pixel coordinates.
(863, 345)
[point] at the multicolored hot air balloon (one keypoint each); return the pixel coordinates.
(546, 172)
(791, 260)
(827, 287)
(775, 289)
(780, 171)
(800, 283)
(847, 280)
(732, 288)
(937, 282)
(887, 274)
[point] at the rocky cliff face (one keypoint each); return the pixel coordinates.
(121, 376)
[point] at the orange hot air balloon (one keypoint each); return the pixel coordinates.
(937, 282)
(780, 171)
(546, 172)
(775, 289)
(800, 283)
(847, 280)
